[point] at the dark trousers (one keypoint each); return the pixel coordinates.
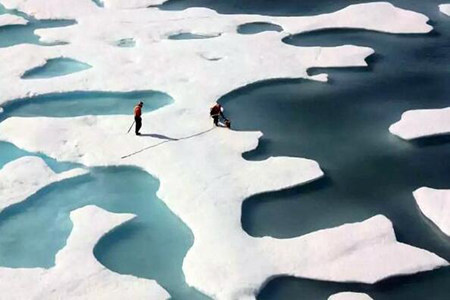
(138, 121)
(215, 120)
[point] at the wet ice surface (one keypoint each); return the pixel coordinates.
(73, 104)
(257, 27)
(288, 7)
(18, 34)
(344, 126)
(190, 36)
(9, 152)
(326, 125)
(152, 245)
(56, 67)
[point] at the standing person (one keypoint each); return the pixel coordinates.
(137, 117)
(216, 112)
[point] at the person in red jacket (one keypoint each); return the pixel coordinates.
(216, 112)
(137, 117)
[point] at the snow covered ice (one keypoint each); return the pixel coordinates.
(422, 123)
(87, 278)
(224, 261)
(349, 296)
(435, 205)
(7, 19)
(25, 176)
(445, 8)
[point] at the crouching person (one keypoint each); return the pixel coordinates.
(216, 112)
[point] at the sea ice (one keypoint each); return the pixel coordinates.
(349, 296)
(56, 67)
(255, 55)
(204, 178)
(131, 3)
(77, 274)
(45, 9)
(23, 177)
(8, 19)
(435, 205)
(445, 8)
(422, 123)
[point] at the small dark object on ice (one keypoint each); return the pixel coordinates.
(216, 112)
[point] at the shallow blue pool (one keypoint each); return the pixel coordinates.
(56, 67)
(257, 27)
(24, 34)
(73, 104)
(342, 124)
(152, 245)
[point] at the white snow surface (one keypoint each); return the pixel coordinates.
(60, 9)
(445, 8)
(23, 177)
(349, 296)
(77, 274)
(156, 62)
(435, 205)
(204, 178)
(46, 9)
(422, 123)
(8, 19)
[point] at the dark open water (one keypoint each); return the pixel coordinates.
(342, 124)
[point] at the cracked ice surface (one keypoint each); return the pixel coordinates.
(435, 205)
(23, 177)
(349, 296)
(77, 274)
(422, 123)
(204, 178)
(445, 8)
(8, 19)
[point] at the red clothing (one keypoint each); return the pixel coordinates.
(216, 110)
(137, 111)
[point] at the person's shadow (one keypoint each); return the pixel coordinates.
(159, 136)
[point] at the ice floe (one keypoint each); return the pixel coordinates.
(8, 19)
(23, 177)
(435, 205)
(46, 9)
(422, 123)
(349, 296)
(445, 8)
(153, 54)
(77, 274)
(204, 178)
